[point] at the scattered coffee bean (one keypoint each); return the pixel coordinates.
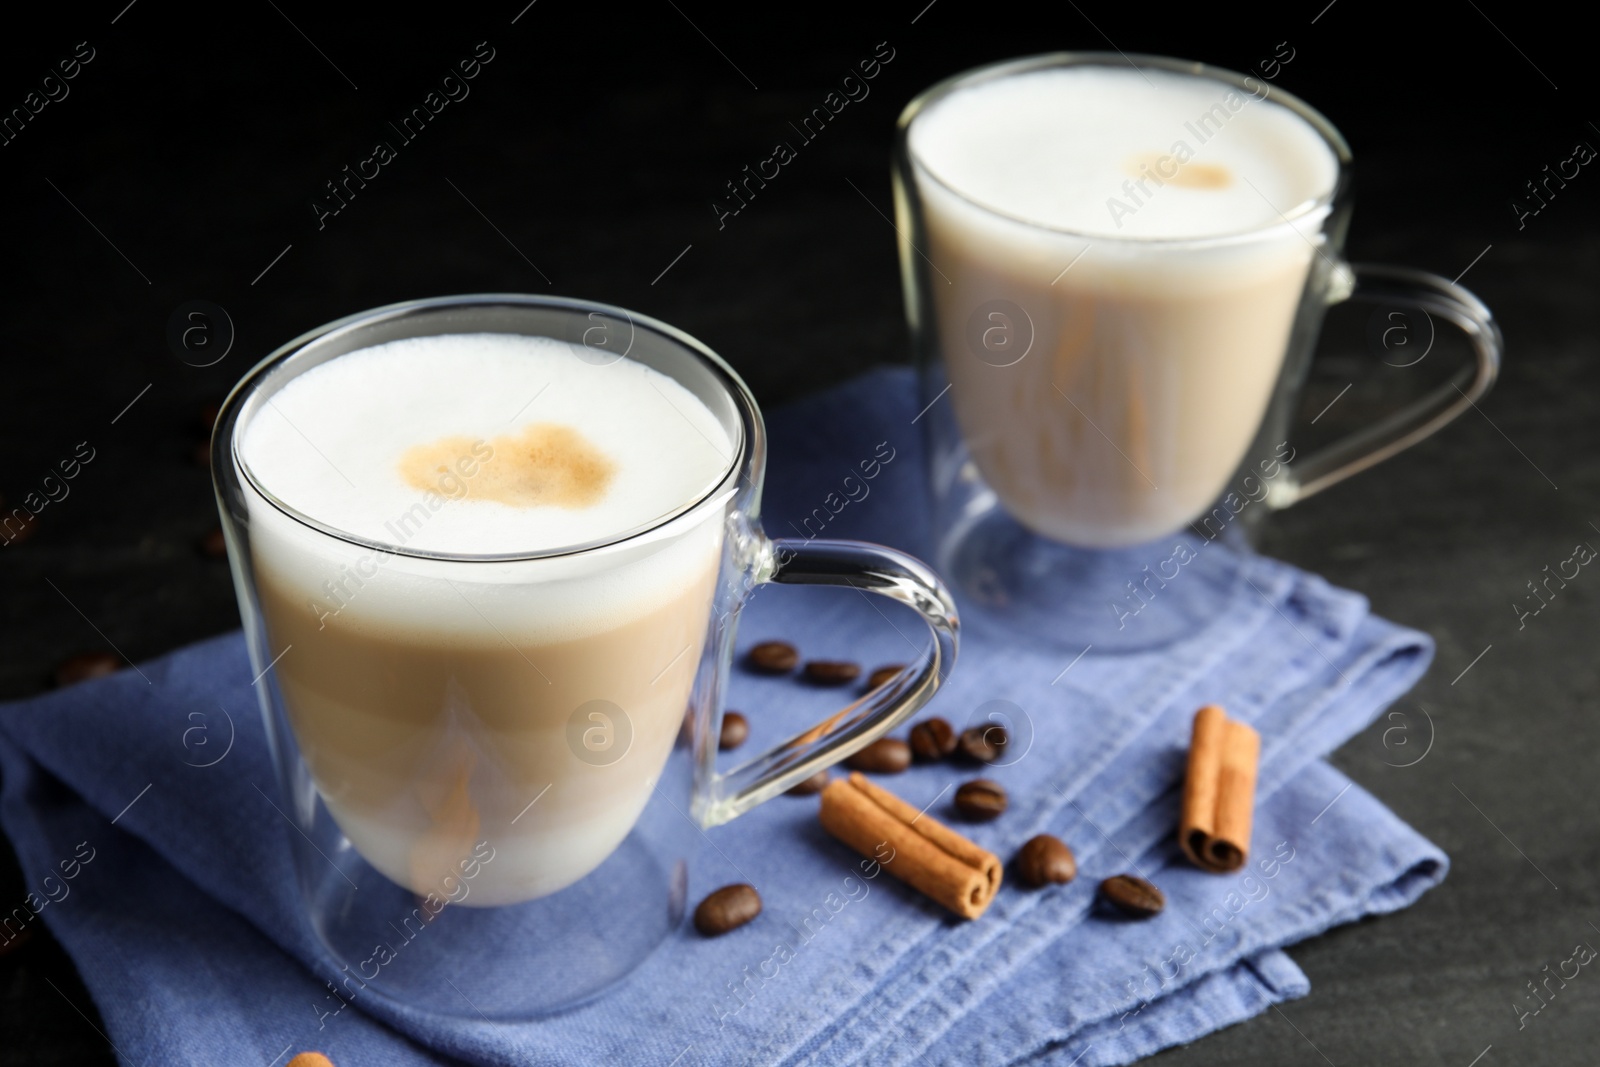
(208, 417)
(200, 454)
(884, 675)
(727, 909)
(984, 744)
(214, 544)
(933, 739)
(810, 786)
(832, 672)
(735, 728)
(886, 755)
(980, 800)
(1133, 896)
(1045, 859)
(88, 665)
(773, 657)
(310, 1059)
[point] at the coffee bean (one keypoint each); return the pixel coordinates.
(1133, 896)
(214, 544)
(984, 744)
(88, 665)
(810, 786)
(883, 675)
(773, 657)
(832, 672)
(735, 728)
(980, 800)
(311, 1059)
(933, 739)
(727, 909)
(208, 417)
(200, 454)
(1045, 859)
(886, 755)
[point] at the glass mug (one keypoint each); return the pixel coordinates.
(480, 836)
(1094, 444)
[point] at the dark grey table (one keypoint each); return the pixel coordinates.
(182, 160)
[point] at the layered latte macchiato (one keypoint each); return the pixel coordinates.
(1116, 260)
(527, 702)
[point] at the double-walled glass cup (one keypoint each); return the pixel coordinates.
(1100, 410)
(493, 821)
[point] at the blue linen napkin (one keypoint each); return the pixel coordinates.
(182, 916)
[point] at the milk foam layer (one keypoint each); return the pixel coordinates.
(330, 444)
(1056, 147)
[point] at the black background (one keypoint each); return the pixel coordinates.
(189, 150)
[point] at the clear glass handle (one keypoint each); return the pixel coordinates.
(1440, 299)
(871, 569)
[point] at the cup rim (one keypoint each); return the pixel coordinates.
(1321, 205)
(748, 449)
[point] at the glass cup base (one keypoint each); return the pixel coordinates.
(511, 963)
(1009, 579)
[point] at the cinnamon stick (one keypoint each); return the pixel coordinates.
(927, 855)
(1219, 791)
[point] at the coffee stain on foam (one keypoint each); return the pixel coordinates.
(547, 464)
(1189, 175)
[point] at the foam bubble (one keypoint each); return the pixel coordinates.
(484, 443)
(1056, 147)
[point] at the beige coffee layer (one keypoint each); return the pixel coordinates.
(423, 748)
(431, 700)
